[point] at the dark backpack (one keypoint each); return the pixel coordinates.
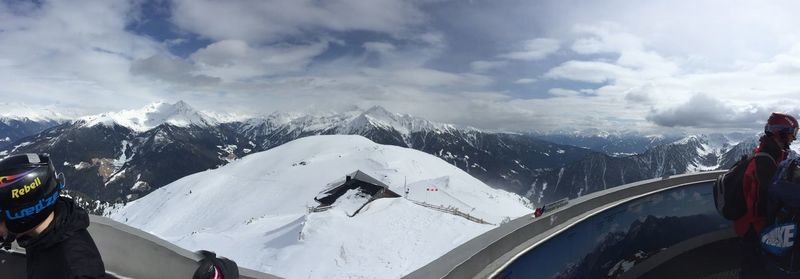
(728, 192)
(779, 240)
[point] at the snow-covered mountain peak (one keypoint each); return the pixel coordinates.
(263, 201)
(594, 132)
(717, 143)
(357, 121)
(375, 117)
(378, 116)
(655, 137)
(692, 139)
(24, 112)
(178, 114)
(378, 113)
(227, 117)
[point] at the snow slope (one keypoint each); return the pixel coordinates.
(255, 210)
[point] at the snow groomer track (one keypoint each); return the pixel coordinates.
(660, 228)
(128, 253)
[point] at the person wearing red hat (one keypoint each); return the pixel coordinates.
(779, 132)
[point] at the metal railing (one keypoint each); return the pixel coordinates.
(490, 252)
(128, 252)
(451, 210)
(133, 253)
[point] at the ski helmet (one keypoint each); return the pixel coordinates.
(781, 124)
(29, 187)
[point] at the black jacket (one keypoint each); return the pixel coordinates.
(65, 249)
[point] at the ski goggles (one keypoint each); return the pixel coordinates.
(783, 129)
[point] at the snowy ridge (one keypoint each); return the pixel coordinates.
(22, 112)
(715, 151)
(351, 122)
(295, 122)
(178, 114)
(226, 117)
(261, 201)
(405, 124)
(715, 142)
(707, 155)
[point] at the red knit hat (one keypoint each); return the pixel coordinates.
(781, 124)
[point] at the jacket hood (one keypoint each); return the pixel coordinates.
(68, 219)
(768, 145)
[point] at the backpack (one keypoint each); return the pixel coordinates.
(779, 240)
(728, 192)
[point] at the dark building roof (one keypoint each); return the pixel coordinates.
(356, 180)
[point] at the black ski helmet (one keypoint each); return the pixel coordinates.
(29, 187)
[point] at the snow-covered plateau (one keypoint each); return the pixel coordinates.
(255, 210)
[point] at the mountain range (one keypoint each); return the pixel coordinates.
(599, 171)
(120, 156)
(15, 128)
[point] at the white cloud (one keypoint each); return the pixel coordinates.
(526, 81)
(604, 38)
(75, 52)
(482, 66)
(433, 39)
(536, 49)
(235, 60)
(645, 63)
(716, 34)
(640, 94)
(425, 77)
(561, 92)
(258, 22)
(588, 71)
(787, 63)
(704, 111)
(379, 47)
(171, 69)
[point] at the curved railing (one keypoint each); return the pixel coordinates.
(563, 243)
(133, 253)
(128, 252)
(625, 231)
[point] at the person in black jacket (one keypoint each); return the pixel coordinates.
(51, 228)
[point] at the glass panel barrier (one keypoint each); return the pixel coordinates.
(611, 242)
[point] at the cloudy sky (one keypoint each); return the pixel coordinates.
(507, 65)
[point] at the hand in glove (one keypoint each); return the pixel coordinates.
(212, 267)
